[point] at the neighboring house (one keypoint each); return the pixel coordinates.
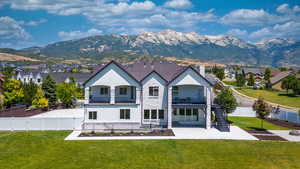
(143, 94)
(277, 79)
(59, 77)
(27, 76)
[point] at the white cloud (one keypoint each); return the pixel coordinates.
(32, 23)
(251, 17)
(11, 32)
(285, 9)
(78, 34)
(123, 16)
(178, 4)
(289, 29)
(237, 32)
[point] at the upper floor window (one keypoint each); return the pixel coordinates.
(104, 91)
(153, 91)
(38, 80)
(175, 91)
(125, 114)
(92, 115)
(123, 91)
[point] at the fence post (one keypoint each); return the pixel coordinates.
(74, 123)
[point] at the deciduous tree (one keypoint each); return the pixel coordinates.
(226, 100)
(262, 109)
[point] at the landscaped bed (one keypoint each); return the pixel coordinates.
(48, 150)
(285, 124)
(166, 132)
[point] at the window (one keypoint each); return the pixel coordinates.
(123, 91)
(175, 91)
(125, 114)
(92, 115)
(161, 114)
(175, 112)
(146, 114)
(195, 112)
(153, 114)
(38, 80)
(104, 91)
(188, 112)
(181, 112)
(153, 91)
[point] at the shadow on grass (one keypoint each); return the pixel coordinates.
(287, 94)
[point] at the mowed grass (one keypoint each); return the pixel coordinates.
(253, 123)
(45, 150)
(273, 96)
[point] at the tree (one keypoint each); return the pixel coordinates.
(220, 74)
(39, 100)
(13, 92)
(66, 93)
(262, 109)
(1, 101)
(251, 80)
(240, 80)
(267, 74)
(49, 88)
(291, 83)
(8, 71)
(30, 90)
(226, 100)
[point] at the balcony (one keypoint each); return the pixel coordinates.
(188, 94)
(188, 100)
(99, 99)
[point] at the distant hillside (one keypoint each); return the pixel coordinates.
(221, 49)
(12, 57)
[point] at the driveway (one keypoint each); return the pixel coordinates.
(62, 113)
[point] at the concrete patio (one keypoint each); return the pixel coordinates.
(285, 134)
(180, 133)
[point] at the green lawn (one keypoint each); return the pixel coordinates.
(232, 83)
(250, 123)
(273, 96)
(45, 150)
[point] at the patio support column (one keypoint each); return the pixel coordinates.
(112, 94)
(86, 95)
(137, 95)
(208, 107)
(169, 107)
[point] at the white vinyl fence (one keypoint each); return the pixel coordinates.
(26, 123)
(287, 116)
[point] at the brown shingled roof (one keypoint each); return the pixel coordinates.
(139, 70)
(279, 77)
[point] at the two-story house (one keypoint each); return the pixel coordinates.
(160, 93)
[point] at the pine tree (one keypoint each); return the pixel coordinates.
(226, 100)
(49, 88)
(251, 80)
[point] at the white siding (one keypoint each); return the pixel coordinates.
(155, 102)
(111, 113)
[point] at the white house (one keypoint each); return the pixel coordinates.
(160, 94)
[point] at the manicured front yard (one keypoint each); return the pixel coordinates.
(253, 123)
(36, 150)
(272, 96)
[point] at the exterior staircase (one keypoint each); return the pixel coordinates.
(222, 124)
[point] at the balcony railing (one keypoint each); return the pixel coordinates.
(124, 100)
(188, 100)
(100, 99)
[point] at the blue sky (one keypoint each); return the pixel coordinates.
(25, 23)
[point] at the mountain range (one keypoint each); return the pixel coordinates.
(222, 49)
